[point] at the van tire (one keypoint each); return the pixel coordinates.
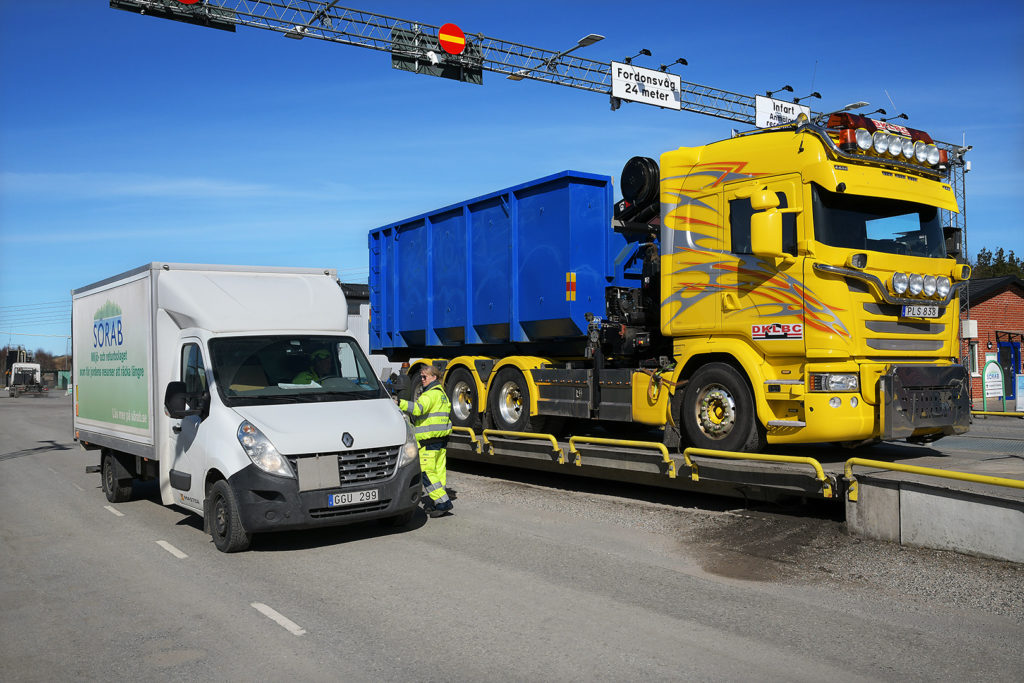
(114, 488)
(225, 523)
(719, 412)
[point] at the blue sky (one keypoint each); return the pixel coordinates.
(127, 139)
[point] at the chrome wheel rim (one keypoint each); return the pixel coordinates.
(716, 411)
(510, 402)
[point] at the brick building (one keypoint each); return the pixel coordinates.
(997, 308)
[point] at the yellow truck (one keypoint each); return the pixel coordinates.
(788, 285)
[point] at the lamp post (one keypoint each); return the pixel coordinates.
(549, 63)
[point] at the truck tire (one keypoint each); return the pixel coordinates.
(461, 390)
(114, 488)
(509, 401)
(718, 411)
(225, 523)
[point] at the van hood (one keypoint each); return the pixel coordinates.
(299, 428)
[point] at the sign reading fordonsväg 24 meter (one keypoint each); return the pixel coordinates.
(648, 86)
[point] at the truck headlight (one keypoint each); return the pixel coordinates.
(410, 450)
(261, 451)
(834, 382)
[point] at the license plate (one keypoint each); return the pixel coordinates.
(351, 498)
(920, 312)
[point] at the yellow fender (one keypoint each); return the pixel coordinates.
(750, 361)
(524, 364)
(468, 363)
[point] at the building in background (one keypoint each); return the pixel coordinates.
(995, 331)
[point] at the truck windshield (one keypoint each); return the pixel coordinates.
(291, 369)
(889, 226)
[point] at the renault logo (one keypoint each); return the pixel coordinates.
(346, 439)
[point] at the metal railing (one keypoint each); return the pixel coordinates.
(665, 457)
(556, 449)
(826, 482)
(926, 471)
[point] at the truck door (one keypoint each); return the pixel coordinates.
(763, 298)
(187, 464)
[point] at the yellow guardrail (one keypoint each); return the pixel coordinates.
(523, 435)
(926, 471)
(578, 461)
(990, 412)
(468, 431)
(826, 485)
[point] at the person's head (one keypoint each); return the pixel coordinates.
(320, 360)
(429, 373)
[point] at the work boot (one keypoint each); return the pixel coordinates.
(441, 510)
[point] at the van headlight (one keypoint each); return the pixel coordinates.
(261, 451)
(410, 450)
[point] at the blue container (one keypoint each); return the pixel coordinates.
(519, 266)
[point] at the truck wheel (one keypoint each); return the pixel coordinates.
(113, 487)
(509, 401)
(225, 522)
(415, 388)
(461, 390)
(718, 411)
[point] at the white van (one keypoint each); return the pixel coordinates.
(240, 390)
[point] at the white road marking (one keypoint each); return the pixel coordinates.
(77, 486)
(114, 510)
(52, 470)
(282, 620)
(172, 550)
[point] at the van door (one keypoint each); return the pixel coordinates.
(187, 456)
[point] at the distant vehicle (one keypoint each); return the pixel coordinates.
(26, 380)
(241, 391)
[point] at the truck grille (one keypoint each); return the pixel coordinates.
(356, 468)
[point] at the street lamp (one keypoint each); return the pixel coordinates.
(549, 63)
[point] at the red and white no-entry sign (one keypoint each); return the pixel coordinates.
(452, 39)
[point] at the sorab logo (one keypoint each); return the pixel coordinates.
(107, 328)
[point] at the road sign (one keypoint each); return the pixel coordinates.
(770, 112)
(648, 86)
(452, 39)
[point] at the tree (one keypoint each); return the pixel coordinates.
(998, 264)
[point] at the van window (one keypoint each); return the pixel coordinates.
(193, 373)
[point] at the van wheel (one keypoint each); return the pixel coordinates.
(114, 488)
(509, 401)
(461, 390)
(225, 522)
(718, 411)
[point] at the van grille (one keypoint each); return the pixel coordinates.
(356, 468)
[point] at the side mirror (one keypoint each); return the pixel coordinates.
(766, 233)
(175, 398)
(762, 200)
(952, 237)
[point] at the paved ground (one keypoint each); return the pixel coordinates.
(536, 576)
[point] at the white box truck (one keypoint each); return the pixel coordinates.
(240, 390)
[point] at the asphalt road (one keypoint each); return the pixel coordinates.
(530, 579)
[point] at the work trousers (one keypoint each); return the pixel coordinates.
(435, 474)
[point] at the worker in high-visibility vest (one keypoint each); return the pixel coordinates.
(431, 419)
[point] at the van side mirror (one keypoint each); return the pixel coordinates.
(175, 398)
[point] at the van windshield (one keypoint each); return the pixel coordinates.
(890, 226)
(291, 369)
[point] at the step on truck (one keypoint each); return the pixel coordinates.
(789, 285)
(241, 392)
